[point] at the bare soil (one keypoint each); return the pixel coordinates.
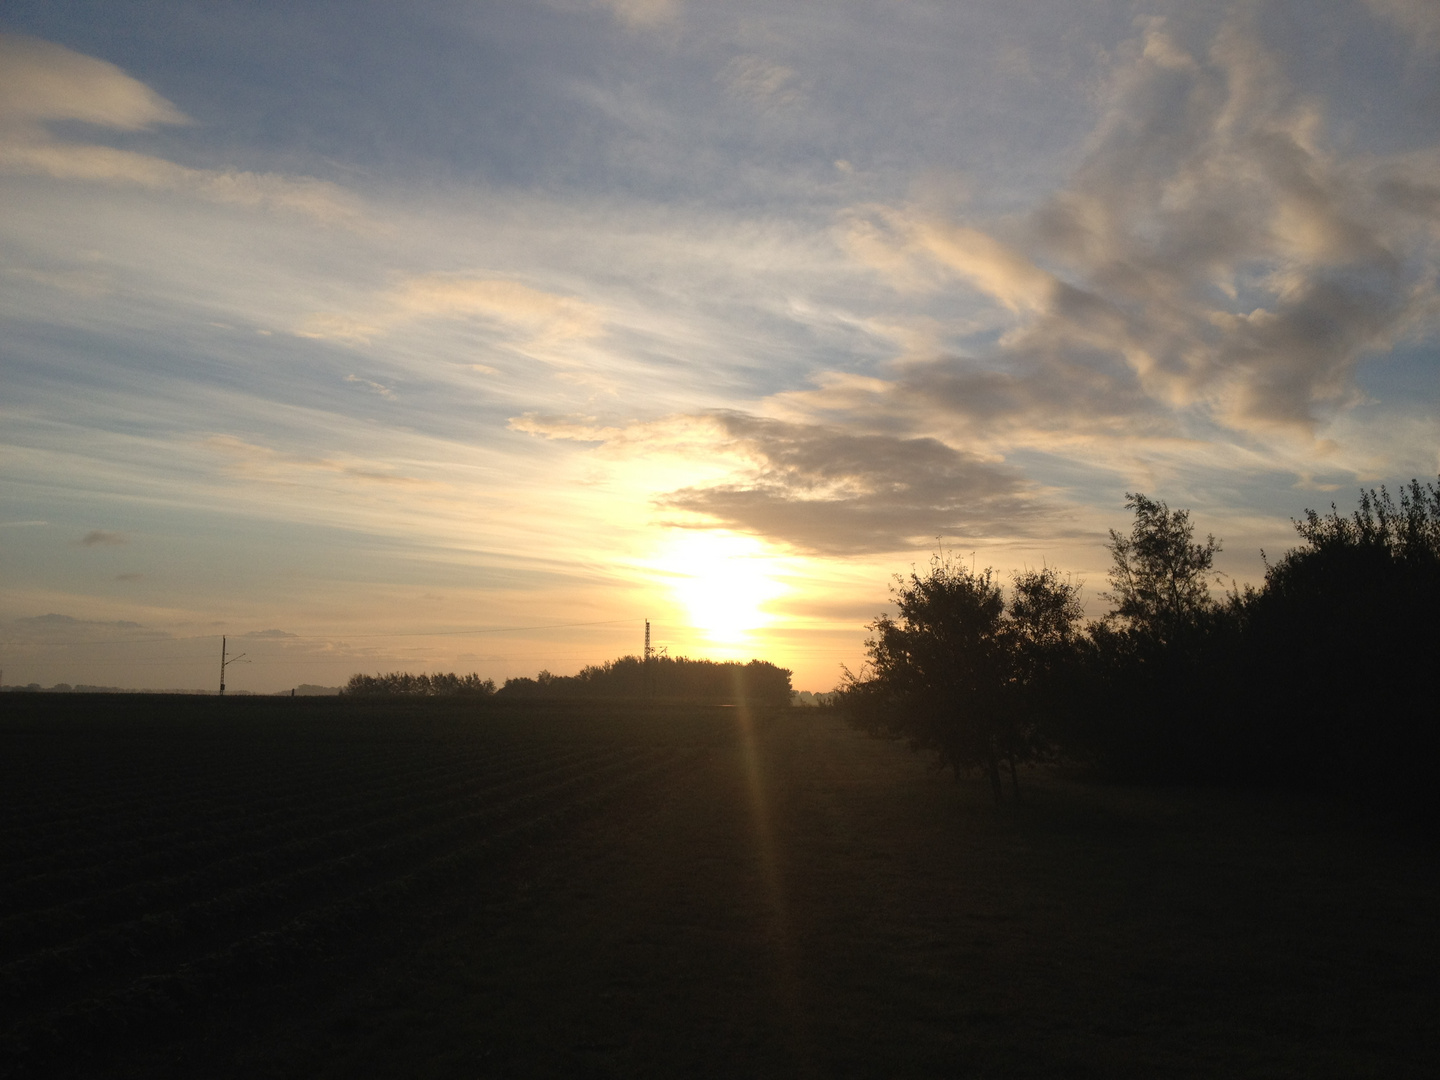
(447, 892)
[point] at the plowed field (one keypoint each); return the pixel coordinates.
(191, 887)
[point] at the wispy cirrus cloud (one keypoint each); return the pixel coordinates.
(55, 626)
(379, 389)
(762, 83)
(319, 199)
(256, 462)
(642, 13)
(540, 322)
(42, 83)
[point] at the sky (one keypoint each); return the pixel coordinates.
(469, 336)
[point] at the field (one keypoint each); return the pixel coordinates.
(277, 887)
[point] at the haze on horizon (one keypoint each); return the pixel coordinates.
(468, 336)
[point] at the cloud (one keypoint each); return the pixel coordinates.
(1410, 187)
(891, 240)
(1419, 19)
(105, 539)
(273, 634)
(374, 387)
(69, 627)
(682, 434)
(85, 282)
(41, 82)
(318, 199)
(827, 490)
(266, 464)
(1043, 402)
(543, 315)
(818, 488)
(541, 322)
(1211, 260)
(760, 82)
(638, 13)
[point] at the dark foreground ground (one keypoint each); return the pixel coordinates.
(252, 888)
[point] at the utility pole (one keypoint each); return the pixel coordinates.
(649, 656)
(226, 663)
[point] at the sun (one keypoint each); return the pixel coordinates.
(723, 581)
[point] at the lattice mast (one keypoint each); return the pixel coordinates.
(649, 662)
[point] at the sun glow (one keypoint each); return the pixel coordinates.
(723, 581)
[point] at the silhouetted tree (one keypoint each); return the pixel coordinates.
(936, 675)
(665, 678)
(404, 684)
(1045, 612)
(1159, 577)
(1043, 635)
(1341, 644)
(1321, 679)
(1150, 700)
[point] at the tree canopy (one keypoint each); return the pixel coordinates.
(664, 678)
(404, 684)
(1160, 577)
(958, 675)
(1321, 678)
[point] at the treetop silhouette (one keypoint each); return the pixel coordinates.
(1319, 679)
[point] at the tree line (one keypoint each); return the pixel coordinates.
(404, 684)
(664, 678)
(1320, 678)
